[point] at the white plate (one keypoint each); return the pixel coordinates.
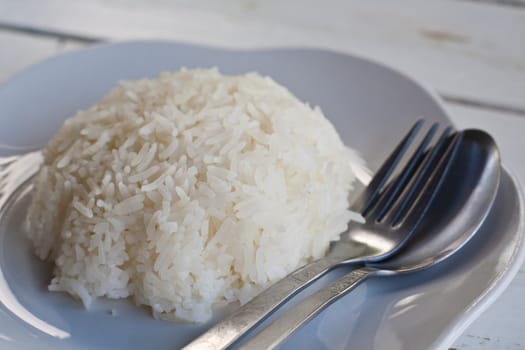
(371, 107)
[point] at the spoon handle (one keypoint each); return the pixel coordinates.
(278, 331)
(252, 313)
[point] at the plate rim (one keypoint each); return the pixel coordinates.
(501, 281)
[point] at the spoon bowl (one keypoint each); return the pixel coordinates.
(459, 209)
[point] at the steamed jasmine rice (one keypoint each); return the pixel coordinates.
(188, 192)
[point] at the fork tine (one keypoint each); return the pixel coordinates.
(369, 196)
(414, 213)
(423, 172)
(390, 194)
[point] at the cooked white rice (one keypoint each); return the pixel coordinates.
(188, 192)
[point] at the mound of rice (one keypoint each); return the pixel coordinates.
(188, 192)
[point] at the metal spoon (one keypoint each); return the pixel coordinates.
(469, 190)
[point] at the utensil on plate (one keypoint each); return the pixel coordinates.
(392, 212)
(469, 190)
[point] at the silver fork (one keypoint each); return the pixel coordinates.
(472, 174)
(373, 240)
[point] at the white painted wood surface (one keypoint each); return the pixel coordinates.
(21, 50)
(471, 52)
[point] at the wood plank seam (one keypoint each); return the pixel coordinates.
(49, 33)
(513, 3)
(457, 100)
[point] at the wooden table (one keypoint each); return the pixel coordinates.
(471, 52)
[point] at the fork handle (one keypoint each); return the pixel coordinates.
(279, 330)
(252, 313)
